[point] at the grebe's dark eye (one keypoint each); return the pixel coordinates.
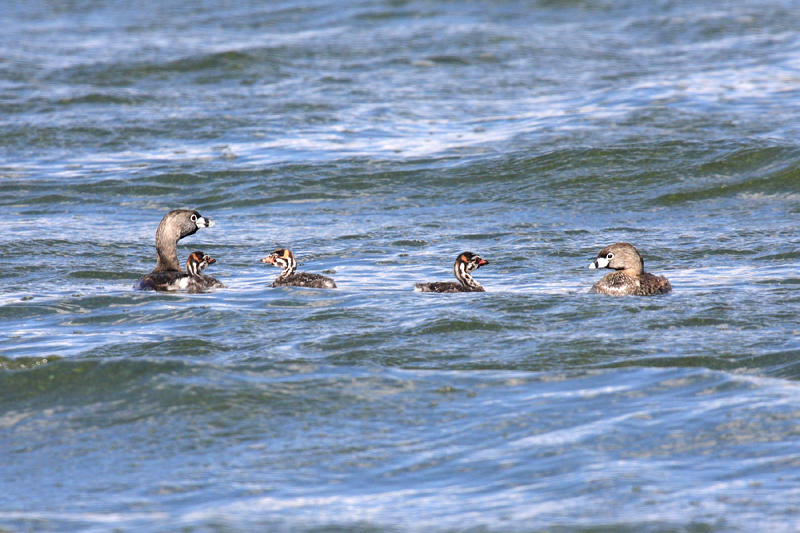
(610, 256)
(194, 218)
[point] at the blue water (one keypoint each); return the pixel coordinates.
(378, 141)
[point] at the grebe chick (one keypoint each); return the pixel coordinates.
(465, 263)
(175, 225)
(630, 277)
(194, 280)
(284, 258)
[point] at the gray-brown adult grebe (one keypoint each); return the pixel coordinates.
(289, 277)
(466, 262)
(175, 225)
(630, 277)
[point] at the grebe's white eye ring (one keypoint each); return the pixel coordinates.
(194, 218)
(610, 255)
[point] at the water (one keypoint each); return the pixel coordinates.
(379, 140)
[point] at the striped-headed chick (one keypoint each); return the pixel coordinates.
(466, 262)
(284, 259)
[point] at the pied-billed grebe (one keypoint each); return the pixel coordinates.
(465, 263)
(284, 258)
(194, 280)
(175, 225)
(630, 277)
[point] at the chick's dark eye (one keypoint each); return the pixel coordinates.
(194, 218)
(610, 256)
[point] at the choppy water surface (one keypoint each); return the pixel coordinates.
(378, 140)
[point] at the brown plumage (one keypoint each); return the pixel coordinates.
(289, 277)
(195, 280)
(175, 225)
(466, 262)
(630, 277)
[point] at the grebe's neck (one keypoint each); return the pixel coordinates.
(461, 270)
